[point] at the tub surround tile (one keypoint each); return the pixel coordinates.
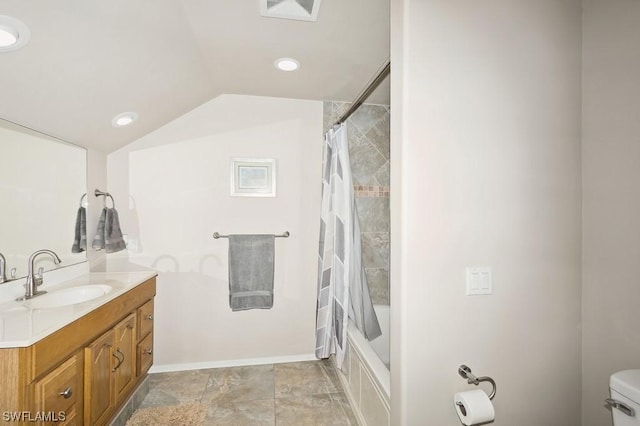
(378, 280)
(366, 191)
(375, 249)
(340, 108)
(379, 135)
(328, 115)
(373, 214)
(355, 139)
(365, 164)
(367, 116)
(383, 176)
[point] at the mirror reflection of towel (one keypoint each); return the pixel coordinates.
(80, 237)
(108, 235)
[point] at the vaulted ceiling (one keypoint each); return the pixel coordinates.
(88, 60)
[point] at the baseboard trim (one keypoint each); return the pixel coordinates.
(166, 368)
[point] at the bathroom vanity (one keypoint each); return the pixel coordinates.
(76, 362)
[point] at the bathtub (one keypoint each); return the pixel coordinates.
(366, 378)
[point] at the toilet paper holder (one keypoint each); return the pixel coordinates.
(465, 372)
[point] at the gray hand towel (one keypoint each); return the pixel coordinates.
(80, 237)
(113, 240)
(98, 239)
(108, 235)
(251, 260)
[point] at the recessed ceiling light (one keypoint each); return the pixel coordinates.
(14, 34)
(8, 36)
(287, 64)
(124, 119)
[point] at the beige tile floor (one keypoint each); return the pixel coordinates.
(299, 393)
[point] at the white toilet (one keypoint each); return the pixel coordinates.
(625, 397)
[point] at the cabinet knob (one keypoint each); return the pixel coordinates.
(149, 317)
(148, 351)
(66, 394)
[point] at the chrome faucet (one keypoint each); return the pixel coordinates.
(34, 281)
(3, 267)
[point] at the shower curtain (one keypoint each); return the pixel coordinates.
(343, 291)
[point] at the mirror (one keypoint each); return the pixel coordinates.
(42, 180)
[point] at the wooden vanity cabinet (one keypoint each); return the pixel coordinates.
(86, 370)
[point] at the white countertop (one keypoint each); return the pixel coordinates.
(22, 326)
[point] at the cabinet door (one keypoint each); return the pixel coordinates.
(59, 394)
(124, 370)
(98, 384)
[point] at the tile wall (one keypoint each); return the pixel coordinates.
(368, 134)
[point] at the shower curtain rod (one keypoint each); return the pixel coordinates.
(384, 72)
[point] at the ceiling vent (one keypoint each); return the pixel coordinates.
(300, 10)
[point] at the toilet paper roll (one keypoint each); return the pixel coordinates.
(474, 407)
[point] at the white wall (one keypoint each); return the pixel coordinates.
(172, 192)
(486, 172)
(611, 205)
(96, 179)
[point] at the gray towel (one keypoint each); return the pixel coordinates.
(98, 239)
(108, 235)
(80, 237)
(251, 260)
(113, 240)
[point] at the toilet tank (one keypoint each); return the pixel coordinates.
(625, 389)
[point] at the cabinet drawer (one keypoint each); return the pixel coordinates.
(59, 390)
(145, 319)
(145, 354)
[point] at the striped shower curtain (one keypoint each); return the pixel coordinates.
(343, 291)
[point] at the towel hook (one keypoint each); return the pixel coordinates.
(99, 193)
(465, 372)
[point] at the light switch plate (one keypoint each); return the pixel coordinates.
(479, 281)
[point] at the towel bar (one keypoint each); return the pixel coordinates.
(285, 234)
(99, 193)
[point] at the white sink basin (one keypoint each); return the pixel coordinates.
(68, 296)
